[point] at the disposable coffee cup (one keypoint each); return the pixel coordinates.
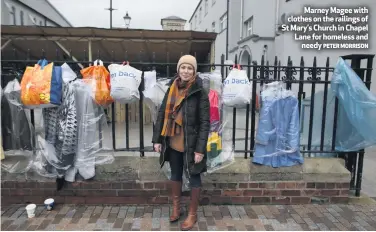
(49, 203)
(30, 209)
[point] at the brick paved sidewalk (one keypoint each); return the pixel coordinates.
(260, 217)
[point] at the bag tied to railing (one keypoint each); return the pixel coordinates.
(41, 85)
(99, 78)
(237, 90)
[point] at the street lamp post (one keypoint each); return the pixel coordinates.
(227, 27)
(127, 20)
(110, 9)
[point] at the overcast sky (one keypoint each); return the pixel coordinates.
(145, 14)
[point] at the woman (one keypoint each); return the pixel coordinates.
(181, 133)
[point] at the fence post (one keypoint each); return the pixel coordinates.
(234, 114)
(141, 110)
(248, 107)
(356, 61)
(253, 113)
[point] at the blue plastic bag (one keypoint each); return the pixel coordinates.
(356, 127)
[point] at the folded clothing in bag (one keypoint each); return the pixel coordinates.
(125, 81)
(99, 79)
(237, 90)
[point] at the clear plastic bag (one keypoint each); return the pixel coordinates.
(277, 141)
(73, 139)
(220, 151)
(154, 92)
(94, 146)
(167, 171)
(356, 127)
(212, 81)
(17, 131)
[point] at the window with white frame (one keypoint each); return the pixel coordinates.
(248, 27)
(223, 22)
(195, 21)
(200, 15)
(206, 6)
(213, 27)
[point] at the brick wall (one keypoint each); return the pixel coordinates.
(95, 192)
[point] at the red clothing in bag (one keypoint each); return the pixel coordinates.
(214, 106)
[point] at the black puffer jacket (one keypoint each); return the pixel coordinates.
(196, 126)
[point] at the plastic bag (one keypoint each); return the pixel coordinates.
(125, 81)
(277, 141)
(94, 146)
(356, 127)
(154, 93)
(237, 89)
(185, 183)
(214, 106)
(212, 81)
(219, 147)
(73, 141)
(99, 78)
(41, 85)
(17, 131)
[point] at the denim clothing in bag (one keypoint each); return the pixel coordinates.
(278, 132)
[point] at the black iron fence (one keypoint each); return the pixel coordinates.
(305, 80)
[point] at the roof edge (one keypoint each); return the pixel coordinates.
(25, 31)
(59, 12)
(199, 3)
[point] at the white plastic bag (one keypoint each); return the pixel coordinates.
(237, 89)
(154, 93)
(125, 81)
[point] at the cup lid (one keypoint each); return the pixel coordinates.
(49, 201)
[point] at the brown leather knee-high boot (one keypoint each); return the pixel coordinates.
(175, 195)
(191, 220)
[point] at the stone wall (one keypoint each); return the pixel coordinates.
(135, 180)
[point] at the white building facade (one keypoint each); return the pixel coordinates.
(211, 16)
(253, 29)
(31, 13)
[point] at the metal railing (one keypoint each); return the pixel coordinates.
(301, 79)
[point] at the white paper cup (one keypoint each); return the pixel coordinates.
(30, 209)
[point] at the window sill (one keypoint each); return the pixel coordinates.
(246, 38)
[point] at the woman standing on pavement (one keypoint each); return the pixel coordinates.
(181, 134)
